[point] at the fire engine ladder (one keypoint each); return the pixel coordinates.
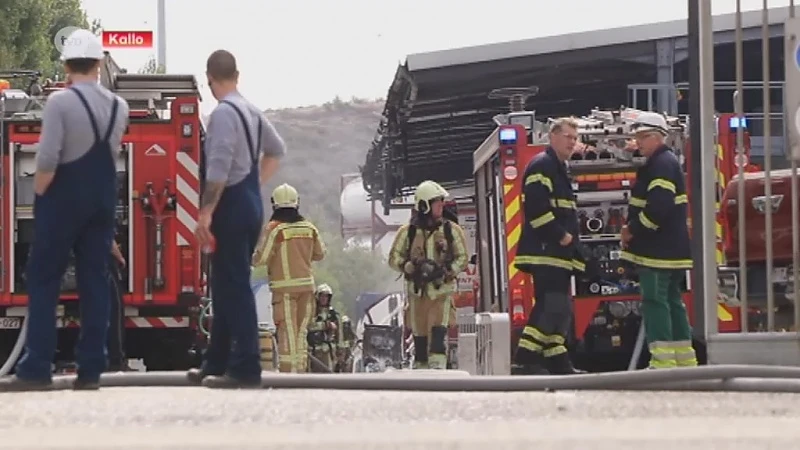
(146, 91)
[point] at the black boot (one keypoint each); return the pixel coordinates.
(562, 365)
(229, 382)
(196, 376)
(531, 364)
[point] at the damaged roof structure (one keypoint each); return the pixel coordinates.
(438, 110)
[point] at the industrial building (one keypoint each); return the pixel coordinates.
(437, 108)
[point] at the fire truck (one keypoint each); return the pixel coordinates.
(728, 251)
(159, 179)
(607, 316)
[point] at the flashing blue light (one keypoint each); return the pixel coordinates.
(508, 136)
(737, 122)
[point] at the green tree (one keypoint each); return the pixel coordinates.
(152, 66)
(350, 270)
(27, 30)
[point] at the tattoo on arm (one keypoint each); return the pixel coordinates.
(211, 195)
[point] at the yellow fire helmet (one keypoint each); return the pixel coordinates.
(427, 192)
(285, 196)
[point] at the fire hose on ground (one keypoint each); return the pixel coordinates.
(729, 378)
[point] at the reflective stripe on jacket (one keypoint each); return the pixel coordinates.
(657, 213)
(550, 213)
(321, 320)
(430, 245)
(287, 250)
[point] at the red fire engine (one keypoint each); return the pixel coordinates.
(728, 251)
(158, 170)
(606, 298)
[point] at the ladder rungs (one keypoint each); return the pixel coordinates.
(156, 82)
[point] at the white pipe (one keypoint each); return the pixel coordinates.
(161, 56)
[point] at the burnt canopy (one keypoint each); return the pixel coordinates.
(435, 117)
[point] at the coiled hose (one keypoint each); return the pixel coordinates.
(205, 314)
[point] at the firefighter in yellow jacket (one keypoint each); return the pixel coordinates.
(430, 252)
(288, 245)
(325, 335)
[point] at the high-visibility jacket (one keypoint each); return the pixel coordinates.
(287, 250)
(657, 212)
(550, 213)
(325, 316)
(431, 244)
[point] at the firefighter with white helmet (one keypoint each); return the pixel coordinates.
(656, 241)
(325, 337)
(288, 245)
(76, 197)
(430, 252)
(242, 151)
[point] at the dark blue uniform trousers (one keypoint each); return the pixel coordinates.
(236, 225)
(75, 213)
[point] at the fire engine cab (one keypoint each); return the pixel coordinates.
(606, 297)
(159, 180)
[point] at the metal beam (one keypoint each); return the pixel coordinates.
(696, 179)
(705, 125)
(665, 70)
(590, 41)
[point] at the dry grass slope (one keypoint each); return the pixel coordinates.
(324, 143)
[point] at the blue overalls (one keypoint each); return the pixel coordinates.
(236, 225)
(76, 213)
(116, 329)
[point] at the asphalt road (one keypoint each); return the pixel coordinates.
(197, 418)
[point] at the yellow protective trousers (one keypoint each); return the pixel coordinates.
(429, 320)
(292, 312)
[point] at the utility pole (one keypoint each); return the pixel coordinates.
(161, 56)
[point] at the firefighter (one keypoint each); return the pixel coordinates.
(325, 332)
(75, 205)
(548, 250)
(430, 251)
(656, 240)
(348, 338)
(242, 150)
(288, 245)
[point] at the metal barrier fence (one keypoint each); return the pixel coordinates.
(764, 217)
(484, 344)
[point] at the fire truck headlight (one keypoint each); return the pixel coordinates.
(187, 130)
(187, 108)
(619, 309)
